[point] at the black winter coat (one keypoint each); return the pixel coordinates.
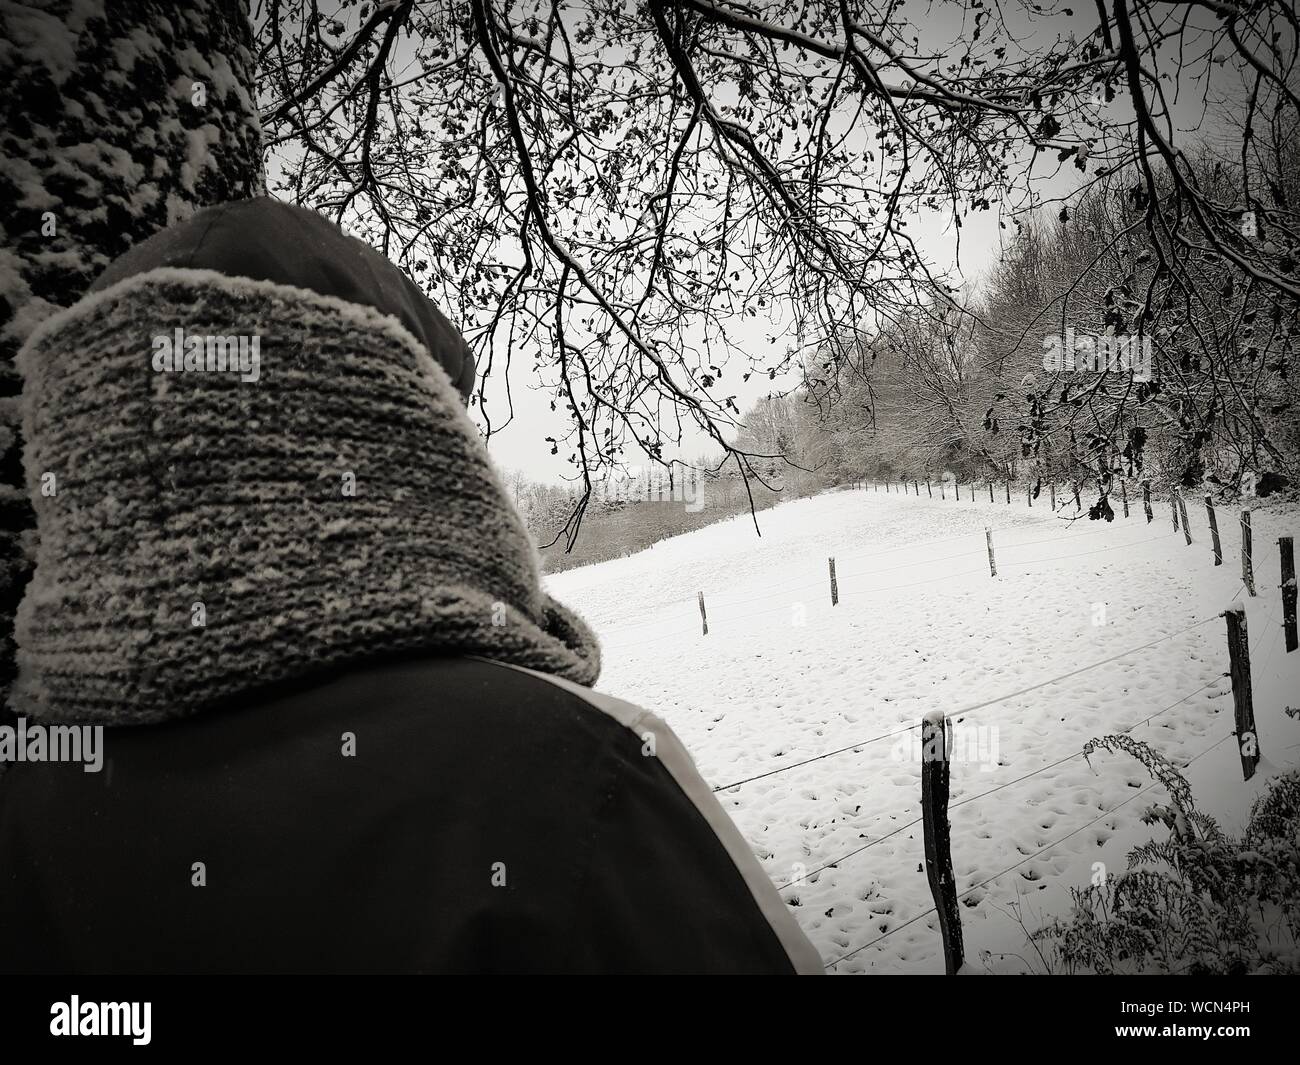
(436, 815)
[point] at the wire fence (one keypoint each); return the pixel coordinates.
(1006, 562)
(819, 587)
(968, 710)
(1029, 858)
(996, 788)
(805, 584)
(1272, 637)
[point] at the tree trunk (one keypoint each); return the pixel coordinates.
(117, 120)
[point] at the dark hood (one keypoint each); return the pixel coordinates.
(266, 240)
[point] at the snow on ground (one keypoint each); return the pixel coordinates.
(921, 625)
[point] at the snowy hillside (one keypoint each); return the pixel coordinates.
(784, 677)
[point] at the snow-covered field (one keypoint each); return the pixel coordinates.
(783, 677)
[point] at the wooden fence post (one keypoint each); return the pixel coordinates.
(1052, 487)
(1247, 548)
(1008, 493)
(1029, 496)
(918, 489)
(1123, 494)
(941, 495)
(1182, 513)
(1173, 507)
(988, 539)
(1078, 505)
(704, 618)
(1146, 501)
(1214, 531)
(1239, 660)
(835, 588)
(928, 490)
(990, 491)
(935, 775)
(1287, 548)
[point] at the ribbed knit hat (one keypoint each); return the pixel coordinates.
(209, 527)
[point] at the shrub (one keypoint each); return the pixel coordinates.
(1198, 902)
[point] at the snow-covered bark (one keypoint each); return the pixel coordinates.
(116, 120)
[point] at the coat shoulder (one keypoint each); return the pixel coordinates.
(444, 815)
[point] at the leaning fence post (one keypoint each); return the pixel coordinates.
(1247, 547)
(935, 773)
(1214, 531)
(1123, 494)
(1146, 501)
(928, 490)
(704, 618)
(988, 539)
(835, 588)
(990, 491)
(1287, 548)
(1182, 513)
(1239, 660)
(917, 486)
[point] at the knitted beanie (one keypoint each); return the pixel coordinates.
(240, 483)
